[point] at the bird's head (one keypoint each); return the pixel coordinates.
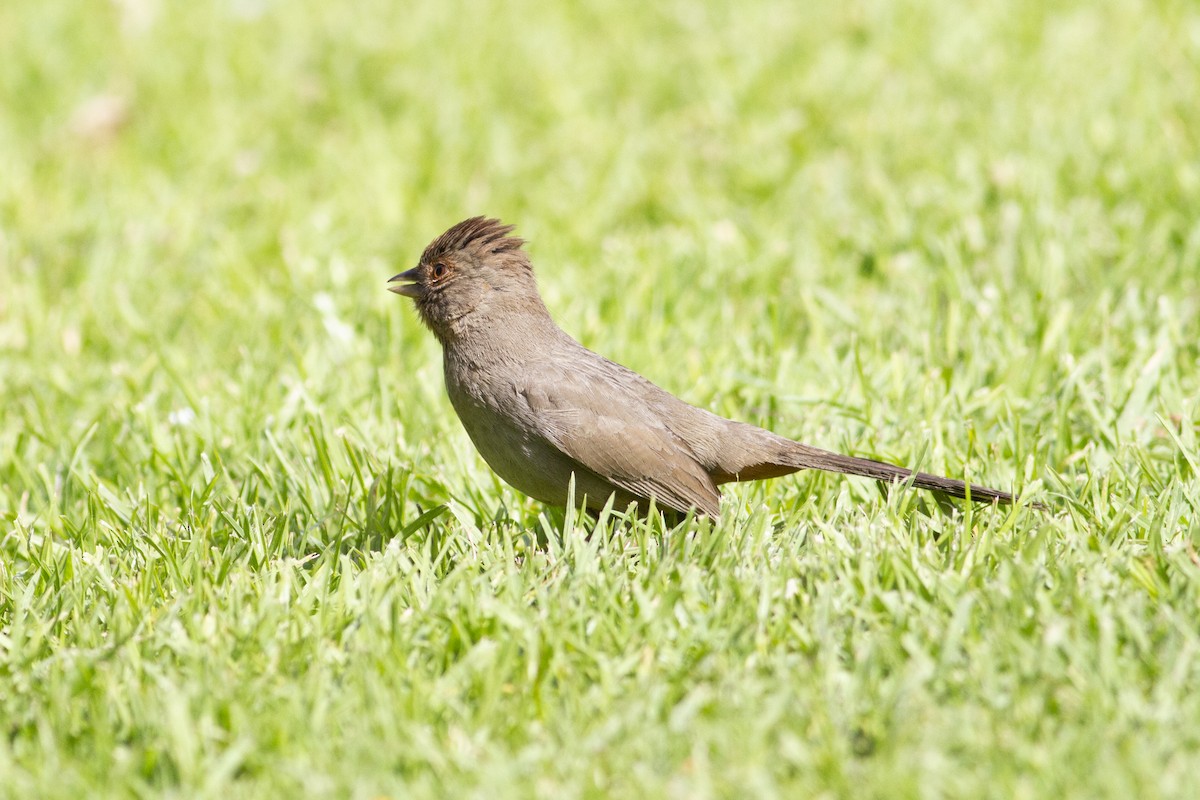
(472, 274)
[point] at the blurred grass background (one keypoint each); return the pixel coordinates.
(964, 237)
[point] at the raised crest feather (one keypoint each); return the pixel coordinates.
(483, 235)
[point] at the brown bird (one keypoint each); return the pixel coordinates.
(541, 408)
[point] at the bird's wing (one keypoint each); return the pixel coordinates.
(606, 428)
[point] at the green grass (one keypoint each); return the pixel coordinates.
(247, 551)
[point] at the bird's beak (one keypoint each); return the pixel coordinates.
(410, 287)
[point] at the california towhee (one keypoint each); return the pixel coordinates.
(540, 407)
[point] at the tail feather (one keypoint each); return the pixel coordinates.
(747, 453)
(805, 457)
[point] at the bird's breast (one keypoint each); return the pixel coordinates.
(501, 427)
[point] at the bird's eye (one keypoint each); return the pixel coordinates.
(439, 271)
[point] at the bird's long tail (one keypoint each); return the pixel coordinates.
(805, 457)
(749, 453)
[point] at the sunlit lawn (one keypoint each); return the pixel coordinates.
(246, 549)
